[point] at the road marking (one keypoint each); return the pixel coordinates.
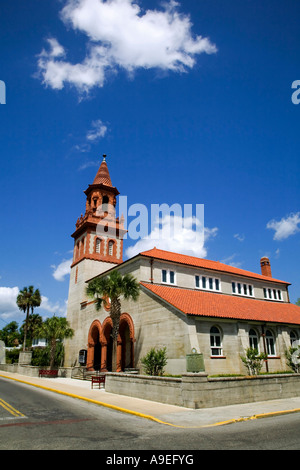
(11, 409)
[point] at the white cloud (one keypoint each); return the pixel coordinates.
(98, 130)
(62, 270)
(54, 308)
(8, 298)
(285, 227)
(122, 36)
(239, 237)
(230, 261)
(176, 234)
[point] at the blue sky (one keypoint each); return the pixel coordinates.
(190, 101)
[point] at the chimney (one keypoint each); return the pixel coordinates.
(265, 267)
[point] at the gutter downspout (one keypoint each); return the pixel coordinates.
(265, 348)
(151, 271)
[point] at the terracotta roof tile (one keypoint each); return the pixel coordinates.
(208, 304)
(102, 176)
(205, 264)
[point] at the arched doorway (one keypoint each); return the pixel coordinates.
(125, 356)
(94, 346)
(107, 345)
(99, 355)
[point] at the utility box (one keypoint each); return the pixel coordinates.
(195, 362)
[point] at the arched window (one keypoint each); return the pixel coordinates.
(215, 341)
(270, 343)
(110, 248)
(253, 339)
(293, 337)
(98, 245)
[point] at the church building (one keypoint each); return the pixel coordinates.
(186, 304)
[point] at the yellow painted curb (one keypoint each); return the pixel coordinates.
(152, 418)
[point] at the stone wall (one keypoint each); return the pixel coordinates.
(33, 371)
(201, 391)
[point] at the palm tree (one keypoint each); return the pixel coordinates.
(55, 329)
(34, 323)
(113, 286)
(27, 300)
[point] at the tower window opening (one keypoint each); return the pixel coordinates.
(98, 245)
(110, 248)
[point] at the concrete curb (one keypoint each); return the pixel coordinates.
(152, 418)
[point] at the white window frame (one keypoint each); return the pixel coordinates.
(269, 346)
(168, 277)
(268, 293)
(242, 289)
(254, 338)
(213, 339)
(207, 283)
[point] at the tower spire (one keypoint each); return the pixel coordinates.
(103, 176)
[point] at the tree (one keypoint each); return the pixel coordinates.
(10, 334)
(55, 329)
(34, 323)
(27, 300)
(298, 302)
(113, 287)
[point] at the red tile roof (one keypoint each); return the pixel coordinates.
(205, 264)
(102, 176)
(209, 304)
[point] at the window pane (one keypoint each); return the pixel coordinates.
(204, 282)
(265, 293)
(239, 288)
(211, 283)
(215, 352)
(245, 289)
(164, 275)
(279, 294)
(250, 290)
(217, 284)
(197, 281)
(270, 293)
(214, 329)
(233, 287)
(172, 277)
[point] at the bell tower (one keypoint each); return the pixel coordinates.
(99, 233)
(98, 242)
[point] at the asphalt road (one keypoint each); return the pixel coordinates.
(35, 419)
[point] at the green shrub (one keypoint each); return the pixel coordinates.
(155, 361)
(289, 354)
(12, 356)
(253, 361)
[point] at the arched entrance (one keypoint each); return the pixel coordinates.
(94, 346)
(99, 355)
(125, 353)
(107, 345)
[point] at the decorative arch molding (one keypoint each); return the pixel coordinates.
(125, 317)
(94, 338)
(100, 336)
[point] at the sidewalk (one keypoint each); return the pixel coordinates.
(159, 412)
